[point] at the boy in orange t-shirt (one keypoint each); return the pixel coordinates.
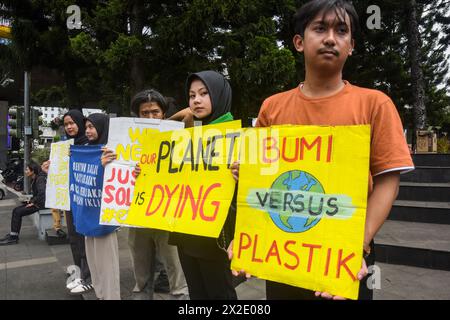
(324, 32)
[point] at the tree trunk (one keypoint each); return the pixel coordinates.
(418, 90)
(137, 68)
(72, 91)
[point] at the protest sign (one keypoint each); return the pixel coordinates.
(126, 136)
(301, 206)
(57, 188)
(186, 185)
(86, 181)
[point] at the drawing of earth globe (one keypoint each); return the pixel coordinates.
(296, 180)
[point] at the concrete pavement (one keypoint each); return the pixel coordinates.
(30, 269)
(34, 270)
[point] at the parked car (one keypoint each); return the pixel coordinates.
(3, 191)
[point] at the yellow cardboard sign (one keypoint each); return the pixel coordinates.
(302, 202)
(57, 195)
(125, 137)
(186, 185)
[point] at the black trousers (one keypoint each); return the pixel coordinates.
(280, 291)
(18, 213)
(78, 249)
(207, 279)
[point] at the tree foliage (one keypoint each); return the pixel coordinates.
(125, 46)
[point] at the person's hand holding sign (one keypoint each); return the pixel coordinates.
(235, 170)
(137, 170)
(230, 256)
(108, 156)
(361, 274)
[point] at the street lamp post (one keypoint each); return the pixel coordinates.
(27, 131)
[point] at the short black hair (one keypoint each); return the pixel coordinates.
(149, 95)
(311, 9)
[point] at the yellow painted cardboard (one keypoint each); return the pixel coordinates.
(57, 194)
(175, 193)
(302, 202)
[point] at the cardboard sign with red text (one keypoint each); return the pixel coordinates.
(186, 184)
(301, 206)
(125, 138)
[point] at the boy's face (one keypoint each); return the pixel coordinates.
(45, 165)
(151, 110)
(327, 42)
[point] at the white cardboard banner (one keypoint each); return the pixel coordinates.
(125, 134)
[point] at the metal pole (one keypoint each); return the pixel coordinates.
(26, 148)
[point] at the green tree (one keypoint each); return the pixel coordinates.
(40, 155)
(238, 38)
(436, 25)
(124, 46)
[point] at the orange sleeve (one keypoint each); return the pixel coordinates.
(389, 150)
(262, 120)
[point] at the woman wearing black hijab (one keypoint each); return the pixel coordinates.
(205, 260)
(102, 247)
(74, 126)
(97, 126)
(215, 109)
(75, 129)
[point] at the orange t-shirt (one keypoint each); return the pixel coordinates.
(351, 106)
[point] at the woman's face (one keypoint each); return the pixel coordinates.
(70, 126)
(91, 132)
(28, 171)
(199, 99)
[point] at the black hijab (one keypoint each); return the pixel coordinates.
(101, 123)
(78, 118)
(219, 92)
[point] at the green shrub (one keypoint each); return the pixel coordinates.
(40, 155)
(443, 145)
